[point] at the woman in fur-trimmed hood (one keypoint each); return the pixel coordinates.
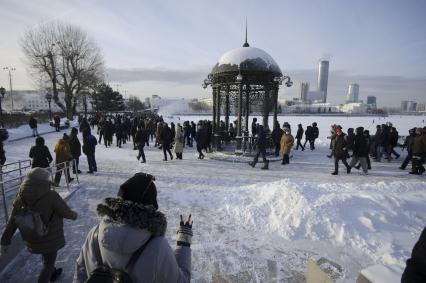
(128, 222)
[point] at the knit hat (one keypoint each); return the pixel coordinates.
(140, 189)
(39, 174)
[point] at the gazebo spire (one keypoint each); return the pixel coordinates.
(246, 43)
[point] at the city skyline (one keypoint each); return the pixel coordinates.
(161, 48)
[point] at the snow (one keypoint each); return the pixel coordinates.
(241, 54)
(25, 130)
(383, 274)
(252, 225)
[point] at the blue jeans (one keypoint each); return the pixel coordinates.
(92, 162)
(141, 153)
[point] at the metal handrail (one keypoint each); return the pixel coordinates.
(62, 167)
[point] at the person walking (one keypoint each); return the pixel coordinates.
(200, 137)
(57, 122)
(299, 136)
(33, 125)
(408, 144)
(308, 137)
(179, 142)
(63, 157)
(339, 151)
(193, 134)
(360, 149)
(140, 139)
(261, 149)
(40, 154)
(276, 137)
(166, 139)
(419, 150)
(287, 141)
(314, 136)
(35, 192)
(89, 148)
(75, 147)
(119, 133)
(131, 226)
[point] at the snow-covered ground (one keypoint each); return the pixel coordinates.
(252, 225)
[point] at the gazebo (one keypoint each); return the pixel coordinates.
(244, 78)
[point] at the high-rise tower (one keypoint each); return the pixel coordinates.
(323, 77)
(353, 93)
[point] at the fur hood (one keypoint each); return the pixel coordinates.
(134, 214)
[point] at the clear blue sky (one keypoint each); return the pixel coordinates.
(168, 47)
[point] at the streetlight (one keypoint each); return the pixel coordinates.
(10, 69)
(2, 92)
(49, 99)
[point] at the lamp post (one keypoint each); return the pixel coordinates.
(49, 99)
(10, 69)
(2, 92)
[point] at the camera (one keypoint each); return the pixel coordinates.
(289, 84)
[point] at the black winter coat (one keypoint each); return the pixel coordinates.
(276, 135)
(75, 146)
(315, 132)
(201, 138)
(41, 156)
(415, 271)
(350, 139)
(166, 136)
(141, 137)
(360, 146)
(261, 140)
(339, 150)
(299, 134)
(33, 123)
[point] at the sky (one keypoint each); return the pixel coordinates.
(168, 47)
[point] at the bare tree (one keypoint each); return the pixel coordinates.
(64, 55)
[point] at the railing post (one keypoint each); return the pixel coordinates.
(66, 174)
(6, 214)
(20, 168)
(74, 162)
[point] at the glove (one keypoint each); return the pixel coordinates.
(3, 250)
(184, 233)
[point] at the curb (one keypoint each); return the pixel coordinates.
(27, 137)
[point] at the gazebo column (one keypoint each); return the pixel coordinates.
(247, 109)
(217, 135)
(266, 108)
(227, 108)
(275, 98)
(240, 114)
(214, 109)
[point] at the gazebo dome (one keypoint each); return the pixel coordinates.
(246, 59)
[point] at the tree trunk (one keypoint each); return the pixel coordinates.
(68, 103)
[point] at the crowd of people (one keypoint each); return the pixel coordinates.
(132, 217)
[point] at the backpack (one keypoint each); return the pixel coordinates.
(106, 274)
(29, 222)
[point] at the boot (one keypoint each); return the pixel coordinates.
(348, 170)
(334, 173)
(265, 166)
(252, 164)
(55, 274)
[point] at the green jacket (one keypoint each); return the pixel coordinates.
(53, 209)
